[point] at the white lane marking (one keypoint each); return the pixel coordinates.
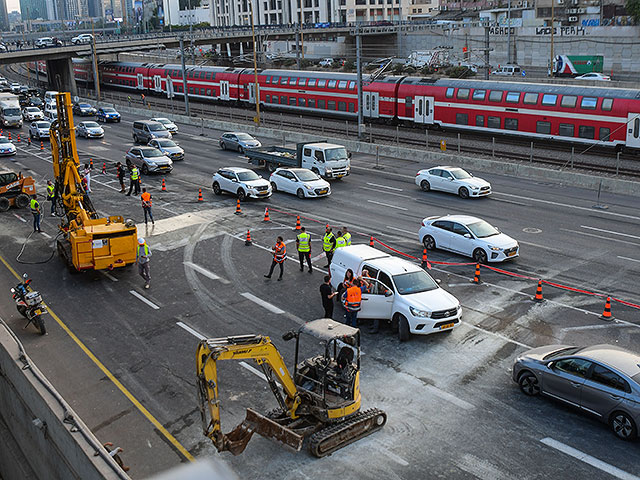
(630, 259)
(45, 234)
(318, 257)
(254, 371)
(19, 218)
(594, 327)
(401, 230)
(377, 190)
(544, 247)
(385, 186)
(205, 272)
(609, 231)
(511, 201)
(387, 205)
(588, 459)
(600, 236)
(108, 275)
(448, 397)
(503, 337)
(396, 458)
(148, 302)
(191, 331)
(262, 303)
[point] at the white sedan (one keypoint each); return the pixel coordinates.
(299, 181)
(452, 180)
(594, 76)
(240, 181)
(31, 114)
(468, 236)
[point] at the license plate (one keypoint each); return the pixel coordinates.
(448, 325)
(322, 192)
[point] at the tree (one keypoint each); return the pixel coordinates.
(633, 9)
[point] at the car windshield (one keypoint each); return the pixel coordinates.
(84, 105)
(248, 176)
(36, 100)
(4, 140)
(414, 282)
(152, 153)
(306, 176)
(166, 143)
(43, 125)
(244, 136)
(91, 125)
(12, 111)
(459, 174)
(482, 229)
(33, 109)
(636, 378)
(563, 351)
(108, 110)
(156, 127)
(164, 121)
(336, 154)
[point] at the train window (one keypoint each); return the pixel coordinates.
(302, 102)
(208, 92)
(462, 119)
(203, 74)
(549, 99)
(331, 104)
(530, 98)
(293, 101)
(463, 93)
(311, 82)
(568, 101)
(479, 94)
(607, 104)
(512, 97)
(342, 106)
(342, 84)
(585, 131)
(408, 102)
(268, 80)
(604, 133)
(321, 104)
(268, 98)
(566, 130)
(274, 99)
(493, 122)
(450, 92)
(322, 83)
(283, 100)
(208, 76)
(543, 127)
(495, 95)
(479, 120)
(352, 85)
(284, 81)
(511, 124)
(636, 127)
(311, 103)
(191, 90)
(589, 103)
(332, 84)
(275, 80)
(302, 82)
(352, 107)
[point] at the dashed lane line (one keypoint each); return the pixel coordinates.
(448, 397)
(142, 298)
(601, 236)
(205, 272)
(253, 370)
(258, 301)
(400, 230)
(19, 218)
(108, 275)
(387, 205)
(385, 186)
(193, 332)
(377, 190)
(610, 231)
(630, 259)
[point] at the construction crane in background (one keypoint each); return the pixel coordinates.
(87, 241)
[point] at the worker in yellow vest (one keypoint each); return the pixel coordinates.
(328, 244)
(35, 211)
(143, 255)
(303, 244)
(340, 240)
(346, 235)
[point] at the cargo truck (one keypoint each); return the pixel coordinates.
(574, 65)
(10, 114)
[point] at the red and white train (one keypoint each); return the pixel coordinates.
(579, 114)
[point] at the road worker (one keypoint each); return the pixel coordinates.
(340, 240)
(328, 244)
(346, 235)
(352, 300)
(143, 255)
(303, 244)
(51, 196)
(146, 206)
(134, 180)
(35, 211)
(279, 255)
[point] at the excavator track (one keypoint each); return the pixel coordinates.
(326, 441)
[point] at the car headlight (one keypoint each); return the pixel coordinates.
(153, 135)
(418, 313)
(329, 171)
(495, 249)
(474, 187)
(152, 163)
(308, 187)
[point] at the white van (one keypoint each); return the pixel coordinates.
(401, 292)
(508, 70)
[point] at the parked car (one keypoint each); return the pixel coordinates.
(299, 181)
(326, 62)
(601, 380)
(89, 130)
(238, 141)
(594, 76)
(241, 182)
(150, 160)
(468, 236)
(82, 38)
(168, 124)
(167, 146)
(32, 113)
(3, 48)
(84, 109)
(144, 131)
(6, 147)
(107, 114)
(39, 130)
(508, 70)
(452, 180)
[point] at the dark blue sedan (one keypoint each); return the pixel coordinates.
(107, 114)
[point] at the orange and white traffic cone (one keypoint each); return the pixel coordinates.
(9, 136)
(538, 297)
(266, 215)
(298, 226)
(606, 315)
(18, 138)
(371, 241)
(200, 199)
(91, 164)
(476, 278)
(248, 240)
(104, 168)
(164, 187)
(238, 209)
(41, 145)
(28, 141)
(425, 262)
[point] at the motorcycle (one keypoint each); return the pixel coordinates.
(29, 304)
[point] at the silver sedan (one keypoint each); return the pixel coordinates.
(238, 141)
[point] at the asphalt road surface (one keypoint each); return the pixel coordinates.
(453, 409)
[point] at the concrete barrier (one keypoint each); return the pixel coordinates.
(427, 158)
(44, 437)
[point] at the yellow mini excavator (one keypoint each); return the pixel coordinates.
(87, 242)
(319, 404)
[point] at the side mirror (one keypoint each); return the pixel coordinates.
(234, 180)
(438, 281)
(288, 335)
(467, 235)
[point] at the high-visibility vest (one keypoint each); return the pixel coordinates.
(146, 199)
(34, 205)
(347, 238)
(146, 249)
(327, 245)
(280, 252)
(340, 242)
(354, 299)
(304, 242)
(134, 173)
(50, 190)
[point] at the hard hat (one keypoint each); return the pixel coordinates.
(141, 241)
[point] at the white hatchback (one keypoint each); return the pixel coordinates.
(300, 181)
(468, 236)
(452, 180)
(242, 182)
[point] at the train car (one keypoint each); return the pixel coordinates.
(124, 75)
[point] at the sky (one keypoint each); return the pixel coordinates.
(13, 5)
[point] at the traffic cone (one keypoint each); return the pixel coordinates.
(104, 168)
(606, 315)
(164, 187)
(248, 240)
(29, 141)
(298, 226)
(371, 241)
(91, 164)
(266, 215)
(425, 262)
(238, 209)
(538, 297)
(41, 145)
(476, 278)
(200, 199)
(18, 138)
(9, 136)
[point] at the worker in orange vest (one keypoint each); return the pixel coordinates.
(146, 206)
(352, 300)
(279, 255)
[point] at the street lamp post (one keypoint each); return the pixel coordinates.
(255, 67)
(509, 32)
(552, 28)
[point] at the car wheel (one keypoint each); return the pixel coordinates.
(463, 192)
(31, 134)
(240, 149)
(223, 145)
(4, 204)
(623, 426)
(274, 187)
(300, 193)
(22, 200)
(135, 139)
(479, 255)
(403, 328)
(425, 186)
(271, 167)
(145, 169)
(216, 188)
(528, 383)
(429, 242)
(241, 195)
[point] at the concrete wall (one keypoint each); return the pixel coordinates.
(49, 447)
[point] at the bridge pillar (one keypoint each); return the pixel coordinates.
(60, 75)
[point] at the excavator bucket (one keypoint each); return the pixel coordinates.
(268, 428)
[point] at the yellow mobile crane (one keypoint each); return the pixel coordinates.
(88, 242)
(321, 402)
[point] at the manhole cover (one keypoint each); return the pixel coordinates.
(531, 230)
